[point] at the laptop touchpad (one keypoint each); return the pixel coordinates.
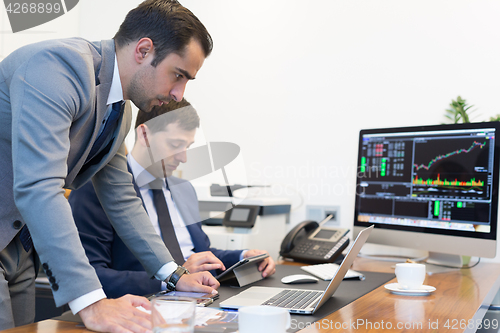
(257, 295)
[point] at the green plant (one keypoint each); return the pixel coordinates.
(459, 111)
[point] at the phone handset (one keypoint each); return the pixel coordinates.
(312, 242)
(299, 232)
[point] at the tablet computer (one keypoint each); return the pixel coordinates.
(228, 272)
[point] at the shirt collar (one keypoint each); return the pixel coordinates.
(116, 91)
(142, 177)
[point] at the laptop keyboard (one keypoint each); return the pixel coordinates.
(296, 299)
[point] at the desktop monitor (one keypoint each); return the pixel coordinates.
(432, 188)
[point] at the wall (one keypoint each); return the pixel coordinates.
(67, 25)
(292, 82)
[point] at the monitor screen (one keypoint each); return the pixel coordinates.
(431, 186)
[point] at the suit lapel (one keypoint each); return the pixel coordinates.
(104, 66)
(176, 189)
(104, 80)
(198, 237)
(136, 188)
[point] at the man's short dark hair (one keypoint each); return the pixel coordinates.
(168, 24)
(186, 116)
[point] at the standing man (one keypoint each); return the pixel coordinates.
(162, 138)
(63, 123)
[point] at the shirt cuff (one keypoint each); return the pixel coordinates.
(83, 301)
(242, 254)
(166, 270)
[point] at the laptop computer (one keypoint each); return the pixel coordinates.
(300, 301)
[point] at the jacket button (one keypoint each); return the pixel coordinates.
(17, 224)
(52, 279)
(48, 272)
(55, 287)
(45, 266)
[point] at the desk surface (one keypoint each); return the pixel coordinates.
(458, 305)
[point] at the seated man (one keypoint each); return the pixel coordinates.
(168, 136)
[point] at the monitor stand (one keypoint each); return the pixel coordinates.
(442, 262)
(435, 262)
(391, 253)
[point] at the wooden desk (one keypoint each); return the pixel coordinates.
(458, 305)
(460, 296)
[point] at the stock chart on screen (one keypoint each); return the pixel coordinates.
(435, 179)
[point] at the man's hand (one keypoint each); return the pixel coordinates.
(202, 282)
(267, 266)
(203, 261)
(117, 315)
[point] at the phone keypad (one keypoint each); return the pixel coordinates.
(311, 247)
(318, 249)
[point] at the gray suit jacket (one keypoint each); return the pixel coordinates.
(118, 270)
(53, 98)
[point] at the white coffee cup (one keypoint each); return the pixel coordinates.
(263, 319)
(410, 276)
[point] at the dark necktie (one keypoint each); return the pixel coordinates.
(109, 127)
(25, 238)
(166, 226)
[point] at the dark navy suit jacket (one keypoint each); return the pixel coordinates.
(118, 270)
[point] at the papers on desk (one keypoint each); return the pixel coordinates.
(212, 320)
(215, 320)
(327, 271)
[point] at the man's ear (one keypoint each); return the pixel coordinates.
(143, 135)
(144, 50)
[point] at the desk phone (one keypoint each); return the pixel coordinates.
(311, 243)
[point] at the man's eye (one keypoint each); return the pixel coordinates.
(178, 76)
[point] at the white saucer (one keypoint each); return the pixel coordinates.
(422, 291)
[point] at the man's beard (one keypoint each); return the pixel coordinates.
(137, 94)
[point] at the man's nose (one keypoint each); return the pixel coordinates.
(177, 91)
(181, 156)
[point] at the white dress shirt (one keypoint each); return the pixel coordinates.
(181, 231)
